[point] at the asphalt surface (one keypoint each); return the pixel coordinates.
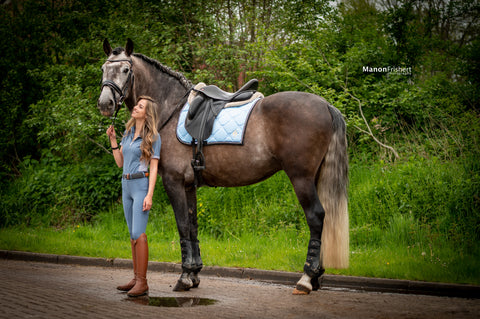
(55, 286)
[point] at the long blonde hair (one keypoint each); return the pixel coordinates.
(149, 131)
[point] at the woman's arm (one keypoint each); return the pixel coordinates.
(117, 152)
(152, 180)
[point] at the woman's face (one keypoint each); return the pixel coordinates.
(139, 110)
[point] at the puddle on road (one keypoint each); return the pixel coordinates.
(172, 301)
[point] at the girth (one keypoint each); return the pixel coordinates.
(204, 108)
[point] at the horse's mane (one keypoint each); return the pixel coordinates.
(165, 69)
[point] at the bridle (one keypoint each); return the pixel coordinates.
(122, 92)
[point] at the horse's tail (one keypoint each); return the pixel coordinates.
(332, 189)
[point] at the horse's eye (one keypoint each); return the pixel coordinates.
(125, 70)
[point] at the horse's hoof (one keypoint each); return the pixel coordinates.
(183, 285)
(300, 290)
(195, 280)
(304, 286)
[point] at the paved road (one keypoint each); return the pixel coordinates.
(47, 290)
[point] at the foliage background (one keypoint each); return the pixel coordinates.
(56, 169)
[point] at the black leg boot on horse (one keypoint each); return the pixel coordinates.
(184, 283)
(191, 265)
(198, 264)
(313, 270)
(130, 284)
(141, 253)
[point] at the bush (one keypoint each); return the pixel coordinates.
(51, 192)
(442, 197)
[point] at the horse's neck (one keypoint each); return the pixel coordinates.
(165, 89)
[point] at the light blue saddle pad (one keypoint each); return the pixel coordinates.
(228, 128)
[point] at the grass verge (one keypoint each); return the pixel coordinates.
(284, 249)
(415, 220)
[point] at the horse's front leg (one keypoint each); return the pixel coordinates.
(197, 264)
(177, 194)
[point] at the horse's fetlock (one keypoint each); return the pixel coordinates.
(313, 264)
(187, 255)
(197, 259)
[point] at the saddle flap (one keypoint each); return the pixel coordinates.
(194, 106)
(200, 125)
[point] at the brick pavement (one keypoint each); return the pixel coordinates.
(47, 290)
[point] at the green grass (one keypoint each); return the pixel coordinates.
(283, 249)
(415, 220)
(408, 251)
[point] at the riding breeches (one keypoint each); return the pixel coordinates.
(133, 194)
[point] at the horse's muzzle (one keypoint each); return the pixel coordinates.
(106, 105)
(106, 114)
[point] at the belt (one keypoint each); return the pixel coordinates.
(135, 175)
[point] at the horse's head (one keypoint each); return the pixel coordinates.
(117, 79)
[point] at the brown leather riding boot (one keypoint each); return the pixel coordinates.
(130, 284)
(141, 253)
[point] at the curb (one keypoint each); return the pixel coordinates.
(270, 276)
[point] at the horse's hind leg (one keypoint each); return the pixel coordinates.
(307, 195)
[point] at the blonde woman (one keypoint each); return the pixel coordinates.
(139, 150)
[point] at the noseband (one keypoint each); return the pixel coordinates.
(122, 92)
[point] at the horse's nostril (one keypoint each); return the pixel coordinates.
(105, 104)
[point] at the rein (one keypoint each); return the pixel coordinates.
(122, 92)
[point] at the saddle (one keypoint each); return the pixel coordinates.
(206, 102)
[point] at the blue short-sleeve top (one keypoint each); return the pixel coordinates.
(132, 153)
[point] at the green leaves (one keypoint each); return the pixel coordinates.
(55, 192)
(51, 58)
(67, 120)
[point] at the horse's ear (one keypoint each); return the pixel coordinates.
(106, 47)
(129, 47)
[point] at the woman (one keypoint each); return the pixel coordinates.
(140, 148)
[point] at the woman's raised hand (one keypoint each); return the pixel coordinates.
(111, 132)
